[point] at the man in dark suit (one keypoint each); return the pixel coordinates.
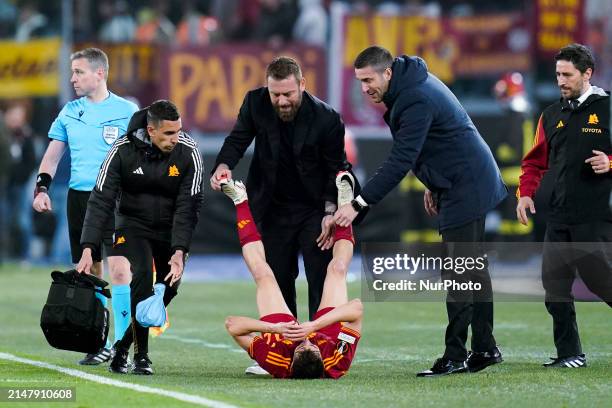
(299, 148)
(435, 138)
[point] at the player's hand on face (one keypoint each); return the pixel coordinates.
(299, 332)
(326, 239)
(176, 267)
(86, 262)
(430, 204)
(222, 172)
(600, 162)
(42, 203)
(521, 209)
(345, 215)
(283, 327)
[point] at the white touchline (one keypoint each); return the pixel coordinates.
(201, 343)
(194, 399)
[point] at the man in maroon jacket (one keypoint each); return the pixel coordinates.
(573, 139)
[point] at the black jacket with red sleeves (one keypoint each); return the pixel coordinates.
(564, 139)
(160, 194)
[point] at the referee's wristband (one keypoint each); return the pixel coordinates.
(43, 181)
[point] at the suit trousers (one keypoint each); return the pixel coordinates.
(286, 235)
(143, 252)
(561, 260)
(468, 307)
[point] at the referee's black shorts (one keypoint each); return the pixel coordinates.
(76, 209)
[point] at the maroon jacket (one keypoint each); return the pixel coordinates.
(564, 139)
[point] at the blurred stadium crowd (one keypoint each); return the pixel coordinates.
(24, 120)
(204, 22)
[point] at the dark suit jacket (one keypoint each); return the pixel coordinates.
(318, 148)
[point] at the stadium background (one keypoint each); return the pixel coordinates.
(204, 55)
(495, 55)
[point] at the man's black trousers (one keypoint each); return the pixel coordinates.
(286, 235)
(143, 250)
(465, 308)
(590, 257)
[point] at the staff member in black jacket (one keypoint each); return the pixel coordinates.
(299, 148)
(157, 170)
(573, 139)
(435, 138)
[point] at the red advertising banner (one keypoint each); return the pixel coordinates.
(557, 24)
(208, 84)
(489, 44)
(454, 47)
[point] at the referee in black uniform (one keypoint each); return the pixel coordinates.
(157, 169)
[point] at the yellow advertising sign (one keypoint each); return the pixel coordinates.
(29, 69)
(557, 24)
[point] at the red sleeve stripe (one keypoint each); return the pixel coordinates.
(352, 332)
(276, 363)
(279, 357)
(279, 361)
(332, 363)
(332, 356)
(251, 351)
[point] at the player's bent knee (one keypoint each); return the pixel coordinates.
(119, 270)
(265, 281)
(338, 268)
(229, 324)
(120, 278)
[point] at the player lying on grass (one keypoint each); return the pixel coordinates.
(322, 348)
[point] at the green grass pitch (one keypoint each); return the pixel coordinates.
(196, 356)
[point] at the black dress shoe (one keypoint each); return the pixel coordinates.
(478, 361)
(578, 361)
(444, 366)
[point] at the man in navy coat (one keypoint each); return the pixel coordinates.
(435, 138)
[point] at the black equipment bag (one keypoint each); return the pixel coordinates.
(73, 317)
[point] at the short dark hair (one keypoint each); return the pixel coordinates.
(95, 56)
(161, 110)
(283, 67)
(307, 364)
(376, 57)
(579, 55)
